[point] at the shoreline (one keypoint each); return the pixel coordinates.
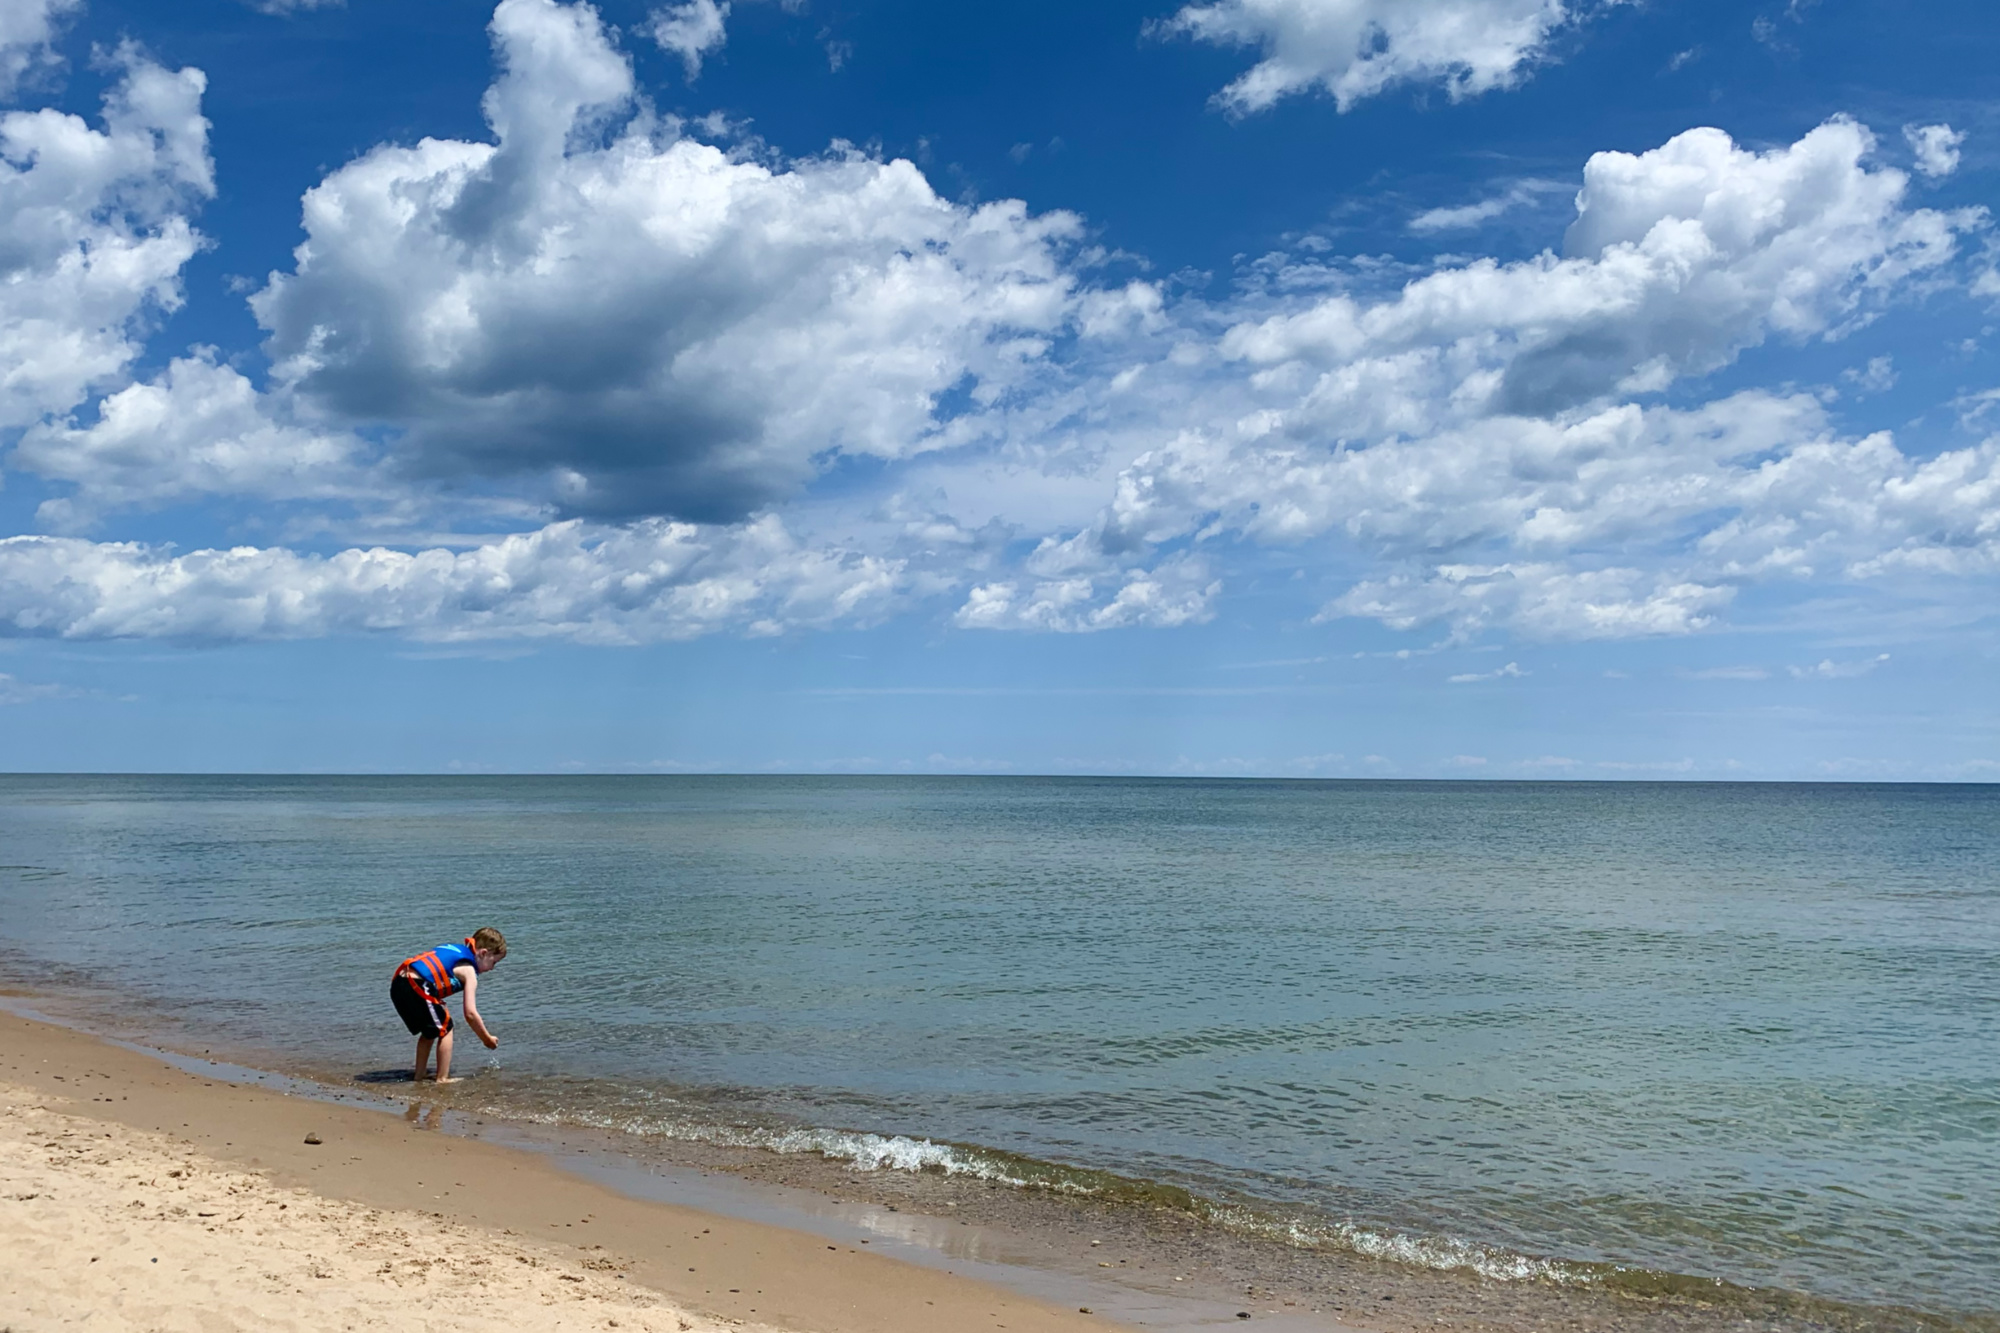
(742, 1273)
(1166, 1269)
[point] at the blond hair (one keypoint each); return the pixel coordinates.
(490, 940)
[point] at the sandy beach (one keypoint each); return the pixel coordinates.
(134, 1195)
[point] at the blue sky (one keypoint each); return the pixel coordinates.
(1422, 388)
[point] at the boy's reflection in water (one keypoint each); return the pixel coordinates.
(425, 1115)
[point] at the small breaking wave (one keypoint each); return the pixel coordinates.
(867, 1151)
(1443, 1253)
(862, 1150)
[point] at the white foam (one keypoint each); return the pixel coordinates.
(864, 1151)
(1437, 1252)
(876, 1152)
(861, 1151)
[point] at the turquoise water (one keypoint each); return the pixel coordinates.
(1740, 1031)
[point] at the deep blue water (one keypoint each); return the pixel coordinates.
(1742, 1031)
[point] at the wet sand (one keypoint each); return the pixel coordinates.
(327, 1216)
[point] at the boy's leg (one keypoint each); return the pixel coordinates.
(423, 1058)
(444, 1058)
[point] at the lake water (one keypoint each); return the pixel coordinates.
(1740, 1031)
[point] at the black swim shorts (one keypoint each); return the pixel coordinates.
(423, 1015)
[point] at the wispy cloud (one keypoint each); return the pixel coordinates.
(1905, 770)
(1650, 766)
(1511, 671)
(1465, 216)
(1048, 691)
(1727, 673)
(1878, 376)
(944, 763)
(16, 691)
(1274, 662)
(1828, 669)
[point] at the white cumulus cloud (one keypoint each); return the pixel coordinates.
(1936, 147)
(1178, 592)
(94, 230)
(1355, 49)
(647, 581)
(691, 30)
(1543, 601)
(200, 428)
(1475, 432)
(629, 321)
(759, 393)
(27, 29)
(1679, 258)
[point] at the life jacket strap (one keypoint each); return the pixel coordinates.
(429, 975)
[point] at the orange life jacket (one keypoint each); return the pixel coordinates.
(436, 972)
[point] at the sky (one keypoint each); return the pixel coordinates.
(1556, 389)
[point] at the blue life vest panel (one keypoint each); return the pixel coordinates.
(435, 971)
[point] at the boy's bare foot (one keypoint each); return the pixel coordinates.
(447, 1080)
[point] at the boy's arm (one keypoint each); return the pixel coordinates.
(470, 976)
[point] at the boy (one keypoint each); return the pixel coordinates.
(423, 983)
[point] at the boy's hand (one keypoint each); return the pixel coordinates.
(492, 1042)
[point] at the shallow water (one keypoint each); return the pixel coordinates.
(1745, 1032)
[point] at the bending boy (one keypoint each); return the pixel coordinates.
(422, 984)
